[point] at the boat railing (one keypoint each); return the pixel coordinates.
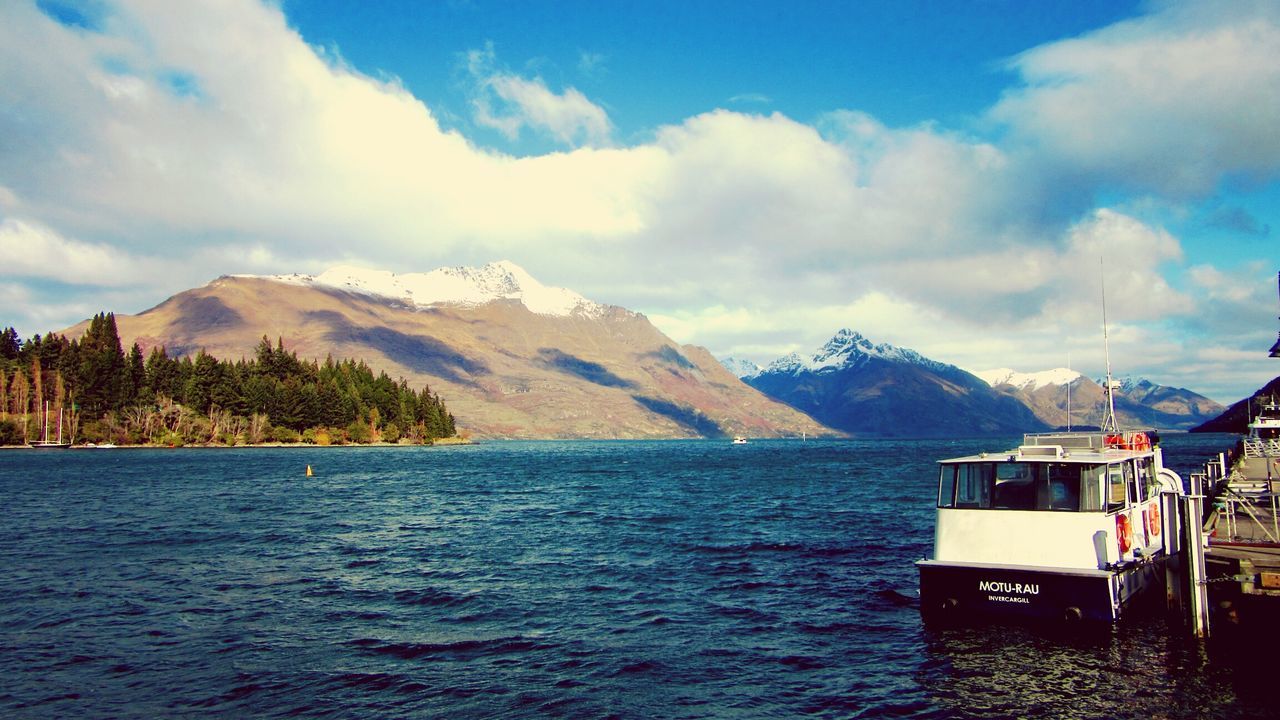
(1072, 441)
(1258, 448)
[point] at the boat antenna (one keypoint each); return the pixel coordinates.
(1275, 349)
(1068, 391)
(1109, 422)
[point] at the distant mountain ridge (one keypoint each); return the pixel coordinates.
(513, 358)
(1028, 381)
(740, 368)
(1140, 403)
(849, 349)
(865, 388)
(850, 380)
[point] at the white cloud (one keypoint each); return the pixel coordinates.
(1170, 102)
(33, 251)
(509, 103)
(733, 230)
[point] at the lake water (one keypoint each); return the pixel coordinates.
(678, 579)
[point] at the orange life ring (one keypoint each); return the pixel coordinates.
(1124, 533)
(1140, 441)
(1153, 519)
(1113, 441)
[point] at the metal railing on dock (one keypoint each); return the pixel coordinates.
(1258, 448)
(1240, 534)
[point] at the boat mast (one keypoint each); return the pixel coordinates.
(1109, 422)
(1068, 391)
(1275, 349)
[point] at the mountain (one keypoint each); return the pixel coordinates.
(1139, 403)
(511, 357)
(1236, 418)
(740, 368)
(863, 388)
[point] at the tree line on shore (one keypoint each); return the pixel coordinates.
(101, 394)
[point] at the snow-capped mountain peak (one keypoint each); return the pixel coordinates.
(847, 348)
(741, 368)
(789, 363)
(1028, 381)
(503, 280)
(841, 347)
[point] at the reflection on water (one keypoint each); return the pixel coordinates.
(1143, 668)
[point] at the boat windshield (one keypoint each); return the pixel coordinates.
(1070, 487)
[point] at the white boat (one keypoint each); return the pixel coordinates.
(1074, 525)
(739, 440)
(1266, 423)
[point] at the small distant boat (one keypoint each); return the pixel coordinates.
(46, 443)
(739, 440)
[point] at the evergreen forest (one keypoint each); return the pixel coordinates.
(97, 393)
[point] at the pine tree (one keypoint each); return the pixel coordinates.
(197, 392)
(102, 366)
(10, 346)
(135, 377)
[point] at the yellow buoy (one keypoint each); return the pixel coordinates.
(309, 471)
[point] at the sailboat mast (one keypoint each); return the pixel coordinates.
(1275, 349)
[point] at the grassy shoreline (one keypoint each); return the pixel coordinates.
(218, 446)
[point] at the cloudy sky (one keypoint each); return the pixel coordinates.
(956, 178)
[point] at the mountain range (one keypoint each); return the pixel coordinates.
(514, 358)
(511, 357)
(1064, 398)
(860, 387)
(863, 388)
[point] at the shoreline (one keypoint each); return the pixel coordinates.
(442, 442)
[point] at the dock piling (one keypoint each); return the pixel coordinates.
(1191, 511)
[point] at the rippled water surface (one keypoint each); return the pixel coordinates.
(628, 579)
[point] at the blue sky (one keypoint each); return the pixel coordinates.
(656, 63)
(753, 176)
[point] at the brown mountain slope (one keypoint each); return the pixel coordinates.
(503, 370)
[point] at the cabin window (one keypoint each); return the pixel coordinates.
(1060, 489)
(973, 485)
(1015, 486)
(1063, 487)
(1117, 481)
(1147, 478)
(1092, 479)
(947, 486)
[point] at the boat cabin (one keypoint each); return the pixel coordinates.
(1086, 482)
(1266, 422)
(1044, 502)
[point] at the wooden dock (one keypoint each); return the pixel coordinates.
(1242, 561)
